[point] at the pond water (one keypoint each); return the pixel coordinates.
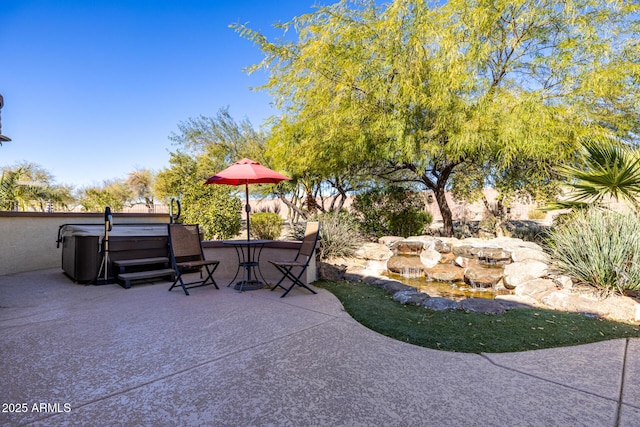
(455, 291)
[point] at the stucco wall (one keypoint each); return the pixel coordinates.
(28, 239)
(279, 250)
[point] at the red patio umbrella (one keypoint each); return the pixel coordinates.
(247, 171)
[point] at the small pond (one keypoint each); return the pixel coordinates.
(453, 291)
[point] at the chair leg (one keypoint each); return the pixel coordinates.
(210, 272)
(179, 279)
(296, 280)
(211, 268)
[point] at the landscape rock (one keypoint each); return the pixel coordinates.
(447, 258)
(482, 305)
(445, 273)
(374, 251)
(406, 265)
(536, 287)
(482, 277)
(465, 251)
(409, 297)
(393, 286)
(465, 262)
(407, 247)
(522, 254)
(529, 274)
(520, 272)
(494, 256)
(328, 271)
(565, 282)
(569, 302)
(388, 241)
(430, 257)
(440, 304)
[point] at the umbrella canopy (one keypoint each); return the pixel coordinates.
(247, 171)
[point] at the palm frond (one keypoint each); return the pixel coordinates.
(610, 169)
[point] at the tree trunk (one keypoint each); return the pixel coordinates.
(292, 206)
(445, 211)
(312, 204)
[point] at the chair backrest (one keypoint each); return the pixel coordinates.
(310, 240)
(184, 241)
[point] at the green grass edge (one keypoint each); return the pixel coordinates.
(521, 329)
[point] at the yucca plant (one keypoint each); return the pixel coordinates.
(599, 247)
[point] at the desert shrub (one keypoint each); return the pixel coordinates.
(266, 225)
(391, 211)
(339, 234)
(537, 214)
(599, 247)
(217, 212)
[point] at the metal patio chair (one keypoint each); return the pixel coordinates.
(186, 252)
(301, 261)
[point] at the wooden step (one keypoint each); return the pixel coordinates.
(140, 275)
(124, 263)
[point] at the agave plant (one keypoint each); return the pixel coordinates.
(610, 168)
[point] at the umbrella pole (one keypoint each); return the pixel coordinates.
(247, 209)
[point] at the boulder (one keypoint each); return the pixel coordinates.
(430, 257)
(522, 254)
(465, 251)
(614, 307)
(393, 286)
(447, 258)
(482, 277)
(465, 262)
(406, 265)
(447, 244)
(407, 247)
(482, 305)
(507, 243)
(536, 288)
(440, 304)
(570, 302)
(565, 282)
(430, 242)
(494, 256)
(328, 271)
(388, 241)
(445, 273)
(374, 251)
(520, 272)
(618, 307)
(376, 268)
(410, 297)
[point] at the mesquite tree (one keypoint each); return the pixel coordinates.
(462, 91)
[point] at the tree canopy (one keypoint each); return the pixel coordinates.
(28, 185)
(454, 94)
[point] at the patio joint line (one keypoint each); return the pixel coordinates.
(303, 308)
(485, 355)
(624, 368)
(180, 372)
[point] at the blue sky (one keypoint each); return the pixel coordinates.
(93, 89)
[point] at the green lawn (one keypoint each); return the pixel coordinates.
(515, 330)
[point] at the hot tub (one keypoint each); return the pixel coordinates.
(82, 246)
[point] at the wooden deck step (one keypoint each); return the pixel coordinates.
(140, 275)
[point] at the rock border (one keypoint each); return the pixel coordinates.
(527, 273)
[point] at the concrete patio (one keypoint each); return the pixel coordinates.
(107, 356)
